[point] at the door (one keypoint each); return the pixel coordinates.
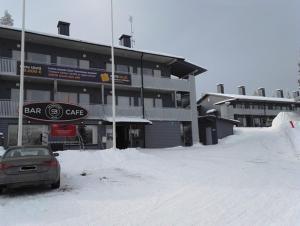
(208, 136)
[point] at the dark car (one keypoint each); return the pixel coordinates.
(29, 165)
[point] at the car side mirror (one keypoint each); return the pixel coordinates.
(55, 154)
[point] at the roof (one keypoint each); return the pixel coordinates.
(213, 117)
(235, 97)
(179, 66)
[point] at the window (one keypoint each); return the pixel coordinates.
(89, 134)
(38, 58)
(123, 101)
(157, 73)
(84, 98)
(158, 102)
(85, 64)
(147, 71)
(122, 68)
(15, 94)
(37, 95)
(66, 61)
(148, 102)
(16, 54)
(67, 97)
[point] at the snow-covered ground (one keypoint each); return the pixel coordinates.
(250, 178)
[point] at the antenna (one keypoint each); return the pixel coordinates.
(131, 30)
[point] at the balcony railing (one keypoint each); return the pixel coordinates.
(9, 109)
(9, 66)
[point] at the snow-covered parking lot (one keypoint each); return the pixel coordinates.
(251, 178)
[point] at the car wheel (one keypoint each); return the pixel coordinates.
(56, 185)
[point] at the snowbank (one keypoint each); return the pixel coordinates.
(283, 119)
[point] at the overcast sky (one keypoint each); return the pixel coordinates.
(240, 42)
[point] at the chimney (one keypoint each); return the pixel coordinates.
(295, 94)
(279, 93)
(261, 92)
(125, 40)
(63, 28)
(220, 88)
(242, 90)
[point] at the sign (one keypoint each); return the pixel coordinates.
(54, 112)
(122, 79)
(61, 130)
(74, 74)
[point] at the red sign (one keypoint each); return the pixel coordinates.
(60, 130)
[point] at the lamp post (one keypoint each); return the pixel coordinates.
(113, 77)
(21, 97)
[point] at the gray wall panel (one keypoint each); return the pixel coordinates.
(163, 134)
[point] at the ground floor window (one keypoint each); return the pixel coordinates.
(32, 134)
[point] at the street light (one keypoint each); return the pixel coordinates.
(113, 77)
(21, 99)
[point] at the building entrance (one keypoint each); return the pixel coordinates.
(122, 133)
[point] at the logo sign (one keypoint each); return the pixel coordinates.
(54, 112)
(122, 79)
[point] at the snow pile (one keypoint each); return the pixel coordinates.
(283, 119)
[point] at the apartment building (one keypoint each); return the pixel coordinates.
(155, 93)
(250, 111)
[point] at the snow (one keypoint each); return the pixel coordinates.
(247, 97)
(128, 119)
(250, 178)
(211, 111)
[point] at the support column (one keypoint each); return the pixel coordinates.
(194, 113)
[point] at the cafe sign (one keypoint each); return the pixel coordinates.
(54, 112)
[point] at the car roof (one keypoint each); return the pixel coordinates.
(28, 146)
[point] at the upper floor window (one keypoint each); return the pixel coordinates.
(85, 64)
(38, 58)
(67, 61)
(67, 97)
(16, 54)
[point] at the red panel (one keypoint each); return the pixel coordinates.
(61, 130)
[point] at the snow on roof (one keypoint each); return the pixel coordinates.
(246, 97)
(211, 111)
(89, 42)
(129, 119)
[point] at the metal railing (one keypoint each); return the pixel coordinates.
(8, 66)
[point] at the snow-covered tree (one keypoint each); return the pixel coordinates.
(7, 19)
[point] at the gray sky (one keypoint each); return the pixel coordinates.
(241, 42)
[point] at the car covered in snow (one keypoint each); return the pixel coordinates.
(27, 166)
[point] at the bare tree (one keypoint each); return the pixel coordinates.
(7, 19)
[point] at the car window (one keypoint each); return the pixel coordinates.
(2, 151)
(24, 152)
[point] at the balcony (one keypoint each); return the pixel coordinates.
(9, 67)
(9, 109)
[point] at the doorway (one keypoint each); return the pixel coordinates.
(122, 136)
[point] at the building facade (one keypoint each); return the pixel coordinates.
(155, 93)
(250, 111)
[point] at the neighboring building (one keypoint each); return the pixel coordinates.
(213, 128)
(155, 93)
(251, 111)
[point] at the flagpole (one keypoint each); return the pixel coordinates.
(113, 77)
(21, 99)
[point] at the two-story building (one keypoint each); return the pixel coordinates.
(155, 93)
(250, 111)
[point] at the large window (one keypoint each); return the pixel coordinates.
(85, 64)
(149, 102)
(84, 98)
(37, 95)
(123, 101)
(16, 54)
(67, 61)
(66, 97)
(32, 134)
(39, 58)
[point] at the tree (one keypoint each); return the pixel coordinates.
(7, 19)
